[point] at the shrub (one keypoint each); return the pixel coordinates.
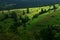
(14, 15)
(54, 7)
(16, 23)
(35, 16)
(4, 17)
(23, 12)
(41, 11)
(25, 20)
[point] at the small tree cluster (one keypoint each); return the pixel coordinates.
(35, 16)
(16, 23)
(42, 11)
(54, 7)
(24, 20)
(5, 16)
(14, 16)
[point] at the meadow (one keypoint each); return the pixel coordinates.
(39, 23)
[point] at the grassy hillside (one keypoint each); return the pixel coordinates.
(38, 23)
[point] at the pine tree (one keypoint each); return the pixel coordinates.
(27, 10)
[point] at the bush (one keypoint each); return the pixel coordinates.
(35, 16)
(25, 20)
(54, 7)
(23, 12)
(4, 17)
(16, 23)
(14, 15)
(42, 11)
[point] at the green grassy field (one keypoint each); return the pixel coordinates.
(12, 23)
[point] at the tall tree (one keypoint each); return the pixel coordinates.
(27, 10)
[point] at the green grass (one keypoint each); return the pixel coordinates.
(48, 18)
(32, 11)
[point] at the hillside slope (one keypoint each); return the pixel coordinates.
(50, 18)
